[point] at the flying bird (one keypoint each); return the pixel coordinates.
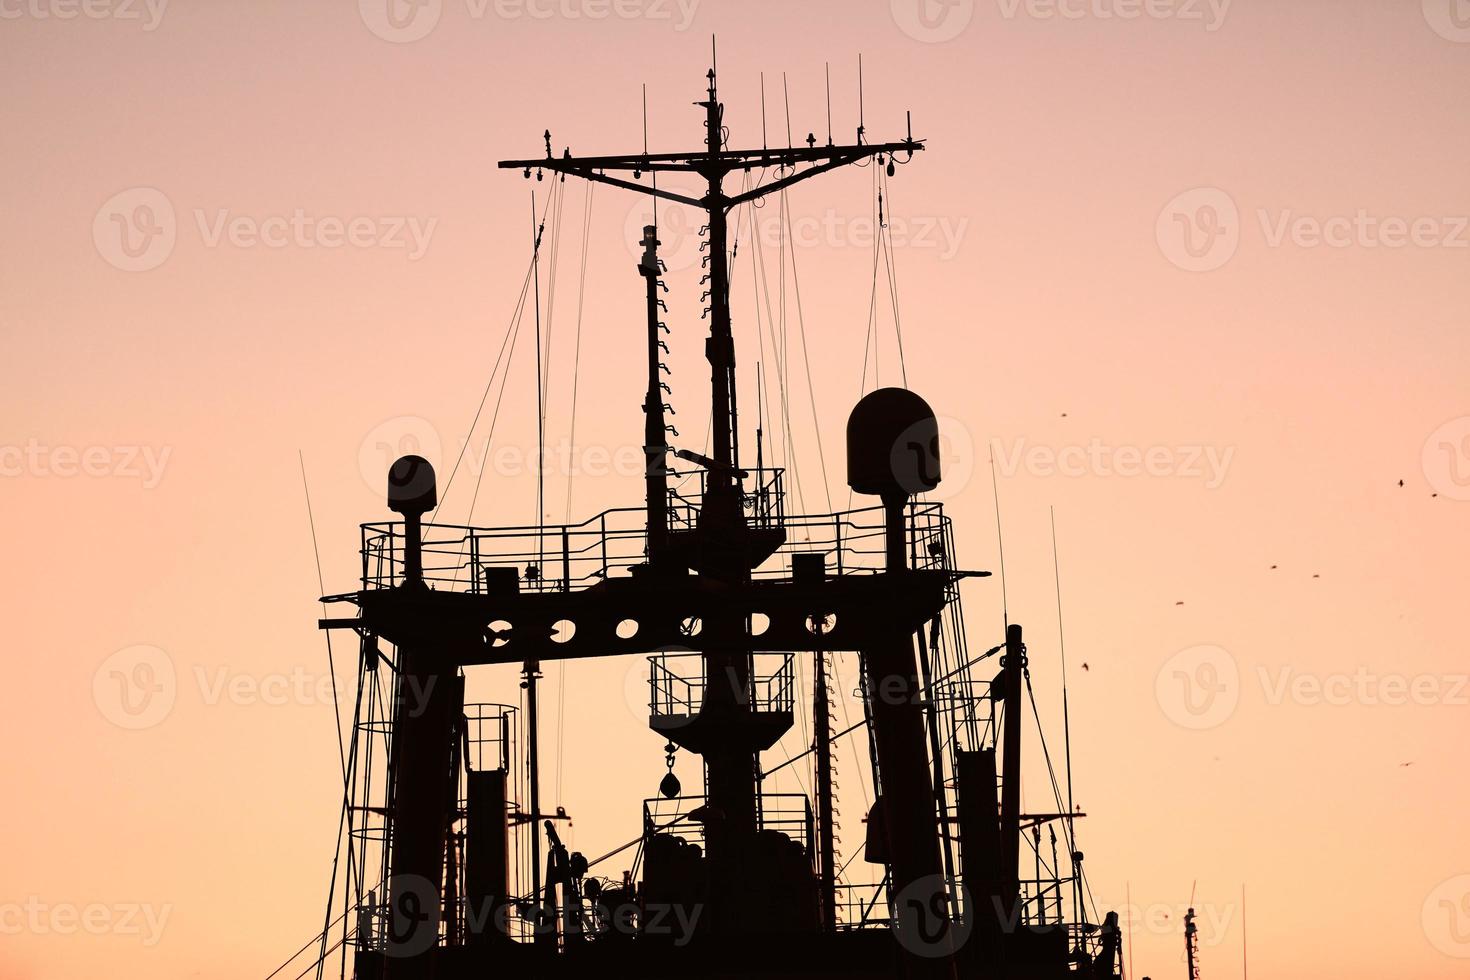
(1085, 667)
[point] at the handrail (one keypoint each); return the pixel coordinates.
(571, 557)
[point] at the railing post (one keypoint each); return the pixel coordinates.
(603, 523)
(566, 559)
(392, 560)
(837, 537)
(474, 561)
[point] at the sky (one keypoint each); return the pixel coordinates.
(1187, 275)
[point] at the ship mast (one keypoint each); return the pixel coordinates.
(725, 548)
(712, 165)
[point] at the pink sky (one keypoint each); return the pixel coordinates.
(1066, 307)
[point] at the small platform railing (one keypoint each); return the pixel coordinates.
(787, 813)
(676, 684)
(570, 557)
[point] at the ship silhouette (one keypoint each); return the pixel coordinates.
(452, 864)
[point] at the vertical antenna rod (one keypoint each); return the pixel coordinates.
(655, 428)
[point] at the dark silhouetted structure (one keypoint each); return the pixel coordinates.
(455, 870)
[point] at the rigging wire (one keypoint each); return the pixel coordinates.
(806, 354)
(561, 667)
(511, 329)
(1066, 716)
(344, 816)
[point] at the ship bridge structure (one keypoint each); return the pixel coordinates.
(454, 866)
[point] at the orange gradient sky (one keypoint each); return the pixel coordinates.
(1227, 240)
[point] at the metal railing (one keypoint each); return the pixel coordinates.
(675, 692)
(489, 736)
(1041, 901)
(765, 505)
(555, 558)
(863, 906)
(787, 813)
